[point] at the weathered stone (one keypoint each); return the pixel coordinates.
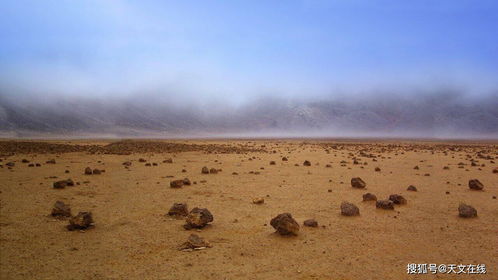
(285, 224)
(385, 204)
(61, 209)
(358, 183)
(349, 209)
(205, 170)
(475, 185)
(412, 188)
(88, 171)
(369, 197)
(194, 242)
(198, 218)
(81, 221)
(60, 184)
(178, 209)
(310, 223)
(397, 199)
(258, 200)
(187, 182)
(176, 184)
(466, 211)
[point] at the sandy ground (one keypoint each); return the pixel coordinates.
(134, 239)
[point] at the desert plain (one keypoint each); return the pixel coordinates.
(133, 237)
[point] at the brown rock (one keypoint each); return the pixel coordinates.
(307, 163)
(285, 224)
(198, 218)
(178, 209)
(194, 242)
(168, 160)
(311, 223)
(466, 211)
(60, 184)
(349, 209)
(377, 169)
(272, 162)
(213, 171)
(81, 221)
(475, 185)
(258, 200)
(187, 182)
(397, 199)
(385, 204)
(61, 209)
(369, 197)
(205, 170)
(88, 171)
(176, 184)
(96, 172)
(51, 161)
(412, 188)
(358, 183)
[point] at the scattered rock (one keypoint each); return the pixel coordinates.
(60, 184)
(284, 159)
(412, 188)
(475, 185)
(88, 171)
(176, 184)
(307, 163)
(258, 200)
(168, 160)
(284, 224)
(96, 172)
(81, 221)
(358, 183)
(61, 209)
(213, 171)
(377, 169)
(194, 242)
(369, 197)
(349, 209)
(385, 204)
(205, 170)
(198, 218)
(187, 182)
(272, 162)
(51, 161)
(310, 223)
(397, 199)
(466, 211)
(178, 209)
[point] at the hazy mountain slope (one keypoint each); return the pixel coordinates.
(424, 115)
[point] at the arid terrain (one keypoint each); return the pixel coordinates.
(133, 237)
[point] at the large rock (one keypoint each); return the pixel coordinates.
(194, 242)
(349, 209)
(385, 204)
(88, 171)
(466, 211)
(397, 199)
(81, 221)
(205, 170)
(61, 210)
(198, 218)
(176, 184)
(178, 209)
(475, 185)
(285, 224)
(307, 163)
(358, 183)
(369, 197)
